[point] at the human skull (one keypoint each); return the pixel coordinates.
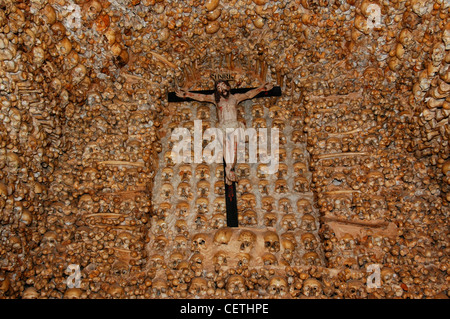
(203, 112)
(120, 268)
(203, 188)
(219, 188)
(275, 112)
(282, 171)
(248, 200)
(199, 242)
(167, 173)
(304, 206)
(288, 248)
(281, 186)
(160, 227)
(160, 242)
(159, 288)
(243, 259)
(30, 293)
(333, 145)
(298, 155)
(301, 184)
(181, 242)
(50, 239)
(262, 171)
(85, 202)
(281, 152)
(156, 260)
(248, 218)
(167, 191)
(309, 241)
(284, 205)
(311, 258)
(247, 239)
(259, 123)
(289, 222)
(169, 158)
(223, 236)
(219, 172)
(347, 242)
(200, 221)
(270, 219)
(236, 284)
(202, 171)
(279, 124)
(218, 221)
(197, 260)
(175, 260)
(297, 136)
(182, 209)
(185, 173)
(190, 126)
(244, 186)
(219, 205)
(300, 168)
(271, 241)
(269, 259)
(277, 286)
(220, 258)
(198, 286)
(312, 287)
(201, 205)
(355, 290)
(243, 170)
(180, 226)
(184, 190)
(257, 111)
(73, 293)
(164, 209)
(388, 276)
(268, 203)
(264, 187)
(308, 223)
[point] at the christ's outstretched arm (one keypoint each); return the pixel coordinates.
(252, 93)
(195, 96)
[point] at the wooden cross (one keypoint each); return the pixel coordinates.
(230, 190)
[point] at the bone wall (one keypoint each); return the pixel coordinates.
(85, 121)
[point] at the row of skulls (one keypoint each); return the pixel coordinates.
(362, 185)
(52, 53)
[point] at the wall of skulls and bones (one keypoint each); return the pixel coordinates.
(87, 180)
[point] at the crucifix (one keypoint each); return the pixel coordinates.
(226, 100)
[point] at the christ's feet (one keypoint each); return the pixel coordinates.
(230, 175)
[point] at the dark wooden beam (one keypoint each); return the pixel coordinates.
(276, 91)
(230, 201)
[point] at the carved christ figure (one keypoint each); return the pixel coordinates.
(226, 104)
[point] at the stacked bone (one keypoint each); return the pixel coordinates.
(277, 222)
(110, 186)
(31, 103)
(356, 175)
(52, 53)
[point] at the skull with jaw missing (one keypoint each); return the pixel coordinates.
(202, 172)
(308, 223)
(277, 286)
(289, 222)
(247, 239)
(271, 241)
(201, 205)
(199, 242)
(218, 221)
(312, 288)
(236, 284)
